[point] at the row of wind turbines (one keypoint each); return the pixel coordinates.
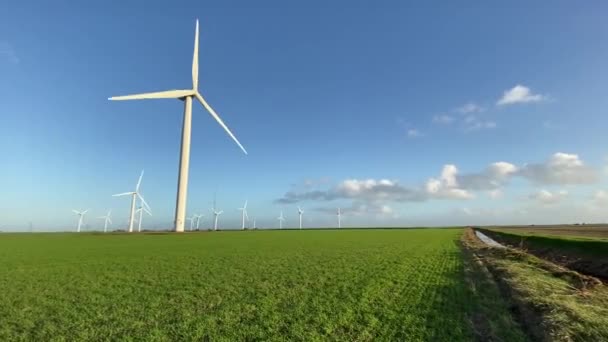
(143, 207)
(195, 219)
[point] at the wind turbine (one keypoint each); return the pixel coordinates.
(141, 210)
(339, 218)
(191, 219)
(80, 217)
(106, 220)
(134, 195)
(244, 210)
(281, 219)
(198, 219)
(216, 214)
(254, 227)
(300, 212)
(187, 96)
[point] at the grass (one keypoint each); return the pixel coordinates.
(406, 285)
(580, 232)
(593, 247)
(555, 304)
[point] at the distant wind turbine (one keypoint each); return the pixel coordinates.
(107, 220)
(134, 195)
(80, 217)
(254, 227)
(187, 96)
(140, 211)
(339, 218)
(216, 215)
(281, 219)
(244, 215)
(198, 219)
(300, 212)
(191, 219)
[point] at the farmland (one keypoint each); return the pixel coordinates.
(575, 231)
(588, 255)
(348, 285)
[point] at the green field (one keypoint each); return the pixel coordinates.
(260, 285)
(582, 232)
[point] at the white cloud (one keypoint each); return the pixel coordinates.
(561, 168)
(600, 197)
(470, 107)
(472, 123)
(519, 94)
(547, 197)
(447, 185)
(493, 177)
(443, 119)
(7, 52)
(413, 133)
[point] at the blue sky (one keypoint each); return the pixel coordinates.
(352, 104)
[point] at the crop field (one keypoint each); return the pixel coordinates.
(588, 255)
(260, 285)
(581, 231)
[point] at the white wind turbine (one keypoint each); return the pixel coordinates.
(300, 212)
(198, 219)
(140, 211)
(281, 219)
(191, 219)
(134, 195)
(339, 218)
(80, 217)
(107, 220)
(216, 215)
(254, 227)
(187, 96)
(244, 215)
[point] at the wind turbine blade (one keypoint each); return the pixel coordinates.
(148, 212)
(139, 181)
(219, 120)
(167, 94)
(76, 212)
(84, 212)
(245, 206)
(124, 194)
(195, 60)
(144, 201)
(110, 220)
(221, 212)
(247, 216)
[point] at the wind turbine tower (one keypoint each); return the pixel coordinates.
(134, 195)
(191, 219)
(187, 96)
(300, 212)
(140, 211)
(339, 218)
(198, 219)
(281, 219)
(80, 217)
(216, 215)
(244, 215)
(107, 220)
